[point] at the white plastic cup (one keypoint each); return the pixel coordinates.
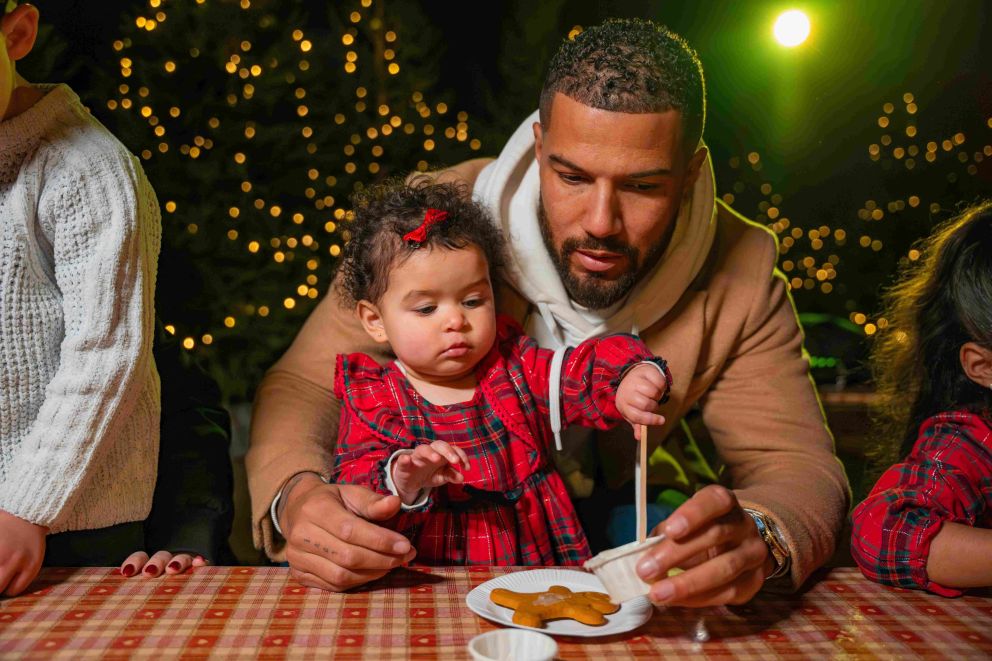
(617, 569)
(513, 645)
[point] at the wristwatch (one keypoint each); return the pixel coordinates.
(773, 539)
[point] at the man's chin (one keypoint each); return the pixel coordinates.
(596, 290)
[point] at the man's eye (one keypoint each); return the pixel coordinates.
(425, 310)
(638, 186)
(571, 178)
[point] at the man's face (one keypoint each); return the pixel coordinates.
(612, 184)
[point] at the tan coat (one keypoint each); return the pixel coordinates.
(734, 347)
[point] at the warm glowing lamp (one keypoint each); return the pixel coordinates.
(791, 28)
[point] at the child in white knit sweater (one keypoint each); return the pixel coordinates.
(79, 391)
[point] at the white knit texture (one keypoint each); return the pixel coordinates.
(80, 231)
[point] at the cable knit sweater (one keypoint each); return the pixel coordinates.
(79, 393)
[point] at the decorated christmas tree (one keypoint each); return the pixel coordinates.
(255, 122)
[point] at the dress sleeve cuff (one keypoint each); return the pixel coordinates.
(422, 497)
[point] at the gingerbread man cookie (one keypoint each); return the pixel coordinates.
(532, 609)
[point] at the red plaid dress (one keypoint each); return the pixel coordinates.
(946, 477)
(512, 508)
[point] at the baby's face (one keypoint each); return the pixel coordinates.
(439, 314)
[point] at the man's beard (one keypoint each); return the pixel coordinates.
(594, 291)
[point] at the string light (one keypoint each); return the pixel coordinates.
(253, 61)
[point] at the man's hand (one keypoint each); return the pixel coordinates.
(429, 465)
(330, 542)
(638, 395)
(22, 550)
(717, 544)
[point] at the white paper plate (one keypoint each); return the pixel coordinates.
(631, 615)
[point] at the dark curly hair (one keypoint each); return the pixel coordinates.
(942, 301)
(387, 211)
(633, 66)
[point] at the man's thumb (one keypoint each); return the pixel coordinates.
(368, 504)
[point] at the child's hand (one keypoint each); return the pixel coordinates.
(162, 562)
(638, 395)
(22, 550)
(427, 466)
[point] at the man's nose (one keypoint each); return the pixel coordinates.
(602, 218)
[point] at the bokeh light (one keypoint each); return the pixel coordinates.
(791, 28)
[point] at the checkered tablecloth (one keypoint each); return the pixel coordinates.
(258, 612)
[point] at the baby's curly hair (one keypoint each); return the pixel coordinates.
(387, 211)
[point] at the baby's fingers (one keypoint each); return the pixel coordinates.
(652, 391)
(134, 563)
(426, 458)
(445, 476)
(448, 452)
(637, 417)
(461, 456)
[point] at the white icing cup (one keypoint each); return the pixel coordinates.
(513, 644)
(617, 569)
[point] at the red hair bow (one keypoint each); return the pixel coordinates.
(431, 218)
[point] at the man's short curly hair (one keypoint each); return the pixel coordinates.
(633, 66)
(385, 212)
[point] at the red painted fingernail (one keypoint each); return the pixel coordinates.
(175, 566)
(150, 570)
(128, 570)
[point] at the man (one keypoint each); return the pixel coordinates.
(608, 203)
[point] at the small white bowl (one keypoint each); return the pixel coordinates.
(617, 569)
(513, 645)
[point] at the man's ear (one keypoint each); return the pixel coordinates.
(976, 361)
(371, 320)
(538, 140)
(20, 29)
(693, 168)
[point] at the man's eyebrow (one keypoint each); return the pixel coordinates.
(561, 160)
(656, 172)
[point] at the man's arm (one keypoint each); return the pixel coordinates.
(295, 417)
(764, 415)
(766, 421)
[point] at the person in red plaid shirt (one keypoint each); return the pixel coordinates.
(928, 521)
(458, 425)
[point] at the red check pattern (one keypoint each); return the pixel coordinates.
(512, 508)
(420, 613)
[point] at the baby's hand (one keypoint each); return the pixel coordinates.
(160, 563)
(427, 466)
(638, 395)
